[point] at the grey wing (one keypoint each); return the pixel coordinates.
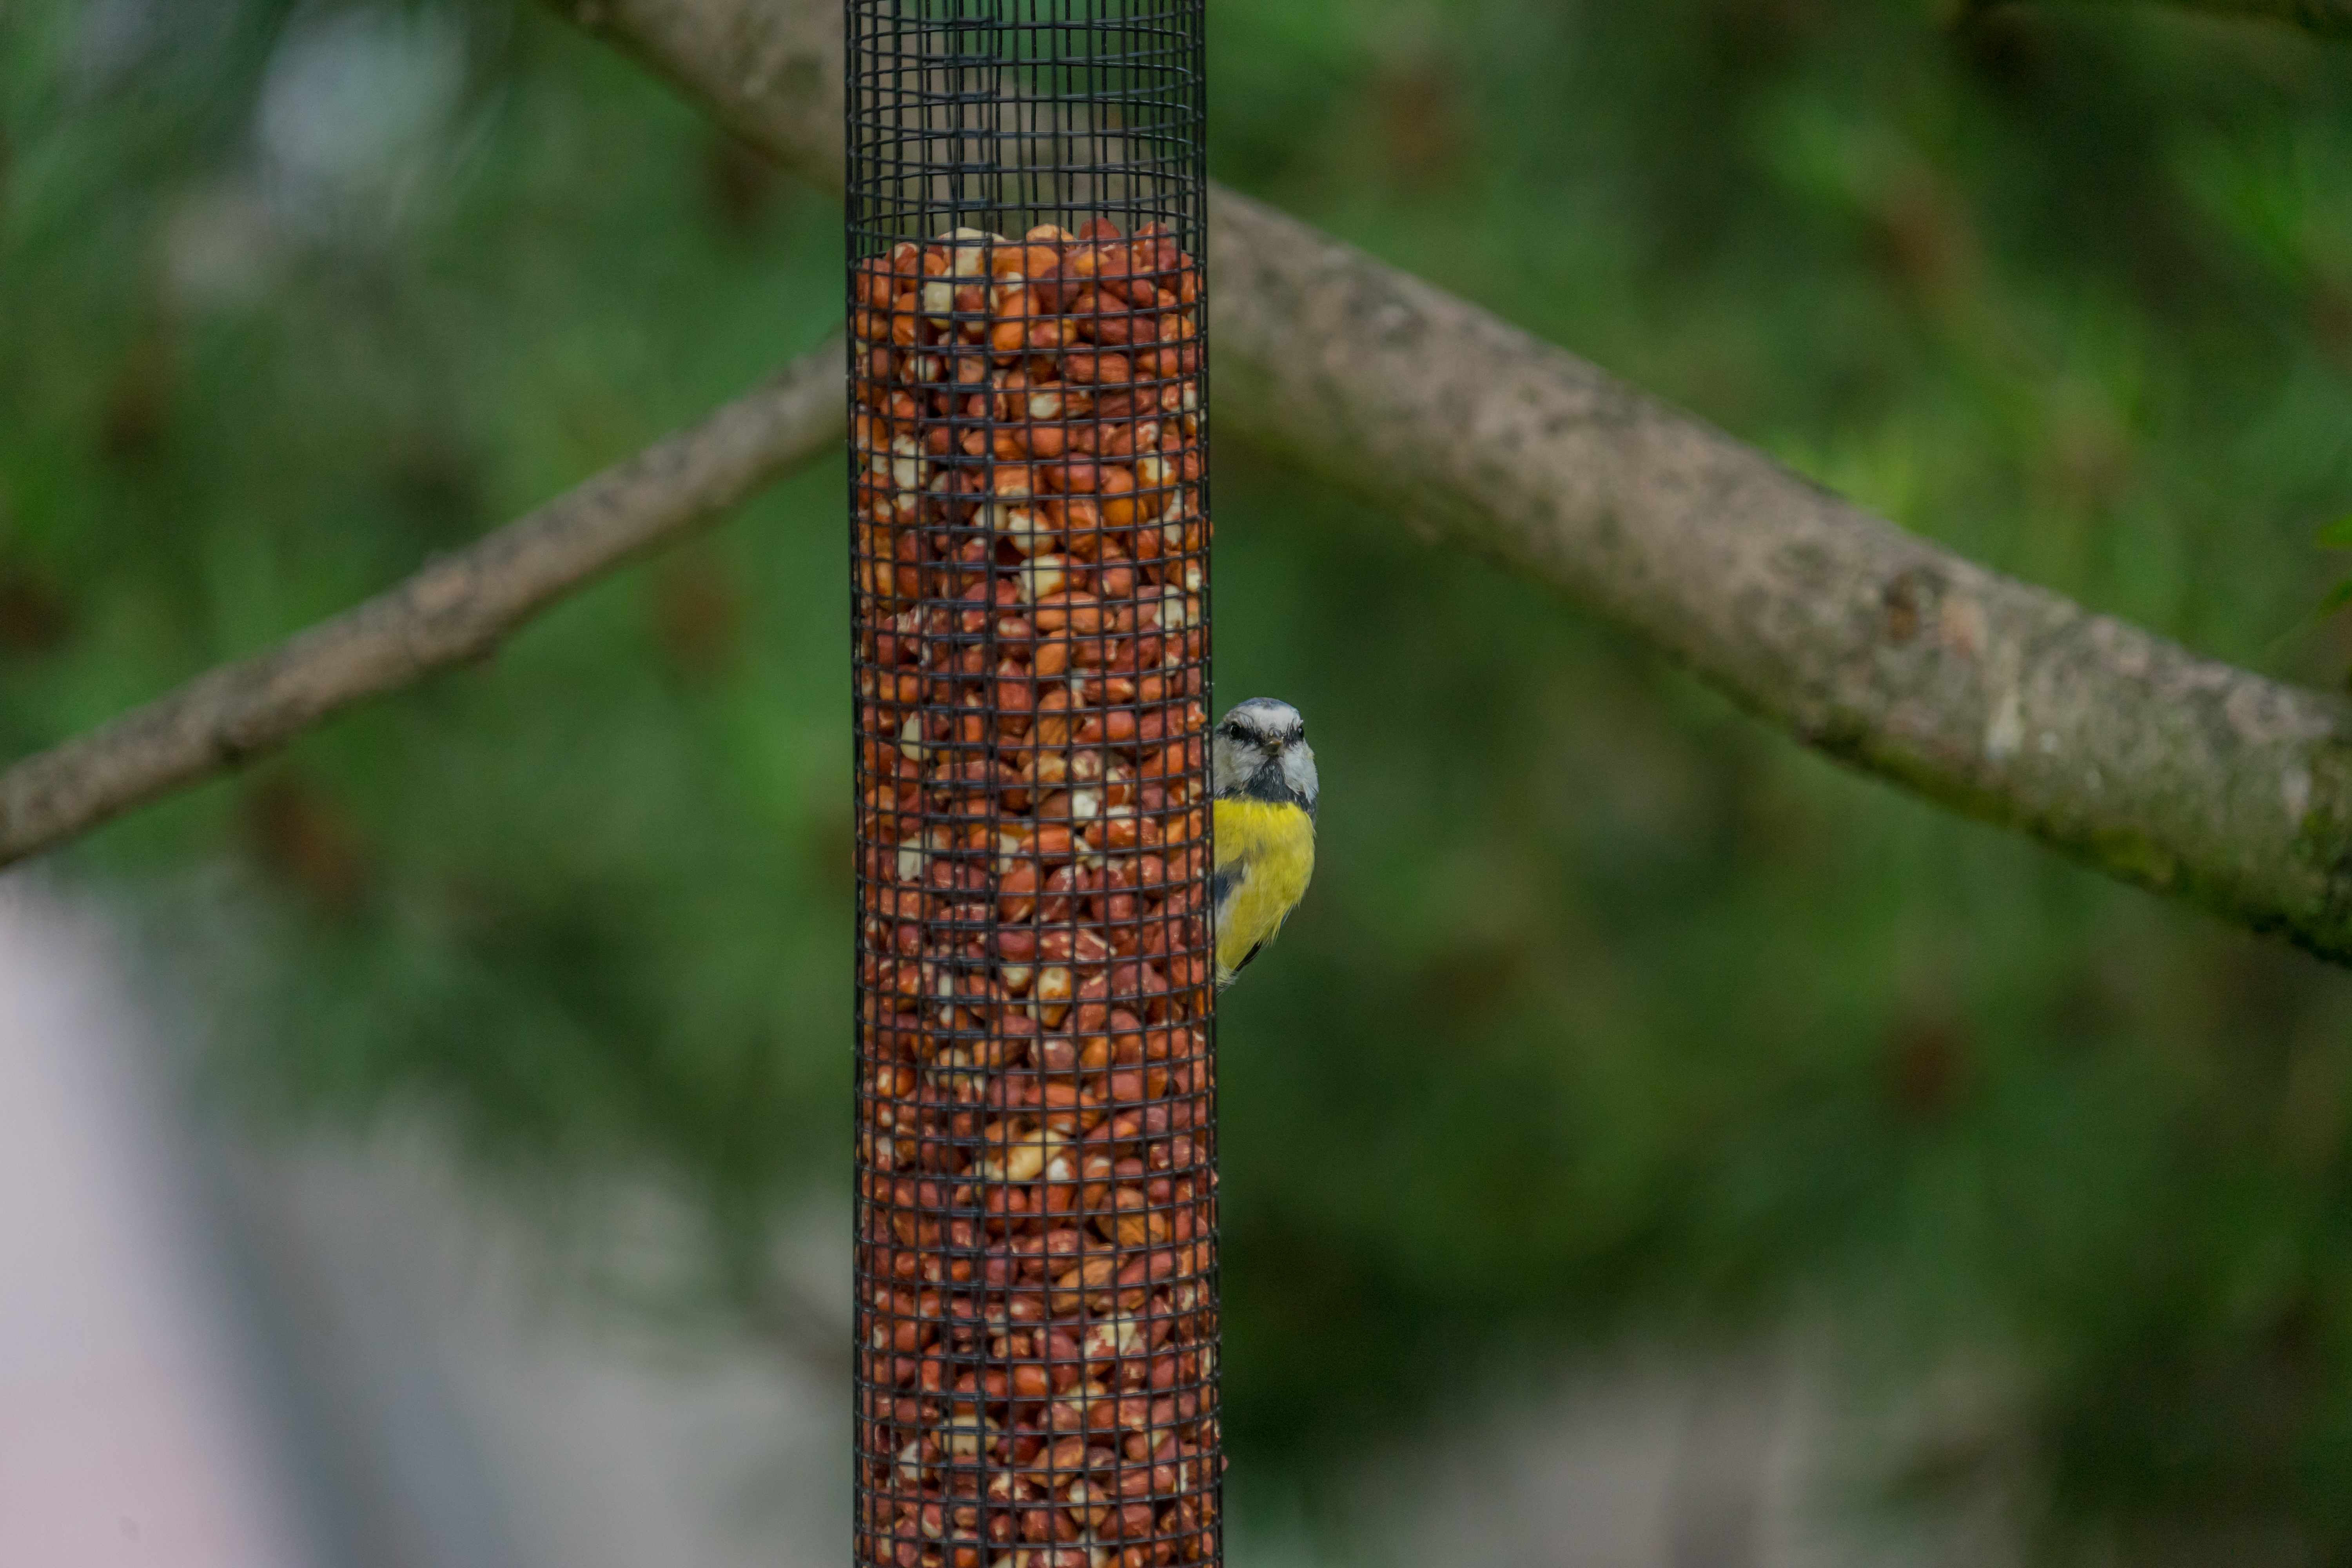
(1223, 883)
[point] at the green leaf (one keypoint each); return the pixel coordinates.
(2337, 535)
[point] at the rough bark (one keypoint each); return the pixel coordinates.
(1998, 699)
(455, 609)
(2001, 700)
(771, 73)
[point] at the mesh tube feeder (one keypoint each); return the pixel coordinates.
(1036, 1311)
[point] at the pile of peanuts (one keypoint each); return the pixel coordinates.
(1037, 1214)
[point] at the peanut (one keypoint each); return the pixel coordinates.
(1035, 1221)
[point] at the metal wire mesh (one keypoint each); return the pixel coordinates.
(1036, 1139)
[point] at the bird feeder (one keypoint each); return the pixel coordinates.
(1037, 1313)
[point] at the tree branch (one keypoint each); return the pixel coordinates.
(1989, 695)
(1997, 699)
(771, 73)
(457, 608)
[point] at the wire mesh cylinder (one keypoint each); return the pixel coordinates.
(1036, 1176)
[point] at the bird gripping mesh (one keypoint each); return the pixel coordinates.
(1036, 1311)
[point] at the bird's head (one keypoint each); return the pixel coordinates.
(1260, 752)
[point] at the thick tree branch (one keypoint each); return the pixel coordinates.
(771, 73)
(1991, 696)
(1998, 699)
(455, 609)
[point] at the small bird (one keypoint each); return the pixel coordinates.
(1261, 779)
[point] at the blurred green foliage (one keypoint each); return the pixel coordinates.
(1611, 1013)
(2337, 535)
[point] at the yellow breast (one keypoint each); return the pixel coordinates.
(1265, 854)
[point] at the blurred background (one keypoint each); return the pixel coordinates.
(1649, 1145)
